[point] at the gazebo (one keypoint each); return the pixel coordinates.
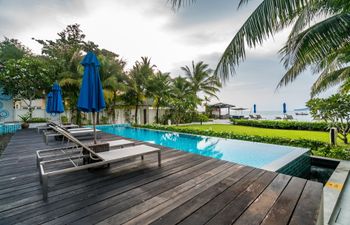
(240, 111)
(218, 107)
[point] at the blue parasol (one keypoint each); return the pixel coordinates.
(48, 102)
(91, 97)
(284, 108)
(57, 102)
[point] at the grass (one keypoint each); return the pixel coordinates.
(265, 132)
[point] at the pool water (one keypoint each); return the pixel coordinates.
(243, 152)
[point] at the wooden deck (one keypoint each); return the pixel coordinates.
(187, 189)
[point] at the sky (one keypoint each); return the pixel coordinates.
(172, 38)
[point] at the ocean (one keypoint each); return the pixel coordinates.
(271, 115)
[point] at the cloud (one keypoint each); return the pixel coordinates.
(172, 39)
(22, 16)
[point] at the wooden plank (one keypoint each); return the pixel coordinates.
(104, 204)
(233, 210)
(121, 185)
(186, 209)
(142, 194)
(170, 196)
(175, 200)
(308, 208)
(282, 210)
(205, 213)
(260, 207)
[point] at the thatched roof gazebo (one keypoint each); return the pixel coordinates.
(219, 106)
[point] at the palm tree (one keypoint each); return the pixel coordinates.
(201, 78)
(137, 83)
(182, 98)
(70, 78)
(159, 89)
(112, 77)
(309, 42)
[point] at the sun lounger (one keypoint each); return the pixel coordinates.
(47, 127)
(288, 117)
(252, 117)
(258, 117)
(74, 150)
(76, 132)
(102, 159)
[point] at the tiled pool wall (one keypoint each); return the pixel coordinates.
(9, 128)
(298, 167)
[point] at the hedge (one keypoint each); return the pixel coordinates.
(38, 120)
(288, 125)
(304, 143)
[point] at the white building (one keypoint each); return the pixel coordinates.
(10, 111)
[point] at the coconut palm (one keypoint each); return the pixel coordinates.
(183, 99)
(201, 78)
(309, 42)
(112, 77)
(159, 89)
(137, 82)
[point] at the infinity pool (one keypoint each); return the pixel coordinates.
(265, 156)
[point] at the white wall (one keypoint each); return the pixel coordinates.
(120, 115)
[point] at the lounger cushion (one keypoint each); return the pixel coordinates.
(119, 143)
(125, 153)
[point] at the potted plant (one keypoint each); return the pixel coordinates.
(25, 121)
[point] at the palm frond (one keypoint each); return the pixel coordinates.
(176, 4)
(318, 41)
(269, 17)
(314, 45)
(327, 80)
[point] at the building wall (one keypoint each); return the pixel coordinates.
(124, 115)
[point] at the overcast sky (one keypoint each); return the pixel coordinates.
(135, 28)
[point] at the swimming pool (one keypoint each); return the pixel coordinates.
(265, 156)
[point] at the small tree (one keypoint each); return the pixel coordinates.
(334, 110)
(26, 79)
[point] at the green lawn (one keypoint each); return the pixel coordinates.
(291, 134)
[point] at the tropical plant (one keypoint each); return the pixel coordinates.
(334, 110)
(66, 53)
(159, 89)
(112, 76)
(201, 78)
(25, 118)
(318, 37)
(137, 82)
(26, 79)
(12, 49)
(183, 99)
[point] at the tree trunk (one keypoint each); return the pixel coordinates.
(136, 110)
(345, 138)
(157, 114)
(78, 118)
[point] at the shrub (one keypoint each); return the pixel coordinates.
(64, 119)
(104, 119)
(339, 152)
(288, 125)
(200, 118)
(304, 143)
(38, 120)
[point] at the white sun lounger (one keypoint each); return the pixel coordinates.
(76, 132)
(47, 127)
(105, 158)
(74, 150)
